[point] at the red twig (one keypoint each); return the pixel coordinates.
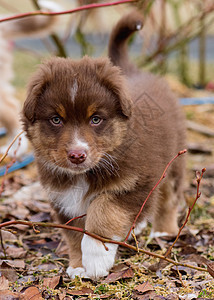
(161, 178)
(81, 8)
(123, 244)
(76, 218)
(101, 239)
(12, 161)
(11, 144)
(198, 194)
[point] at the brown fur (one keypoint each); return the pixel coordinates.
(142, 129)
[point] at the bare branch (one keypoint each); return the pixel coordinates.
(198, 194)
(161, 178)
(11, 144)
(81, 8)
(101, 239)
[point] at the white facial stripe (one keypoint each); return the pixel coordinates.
(79, 143)
(74, 90)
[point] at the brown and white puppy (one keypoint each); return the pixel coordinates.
(102, 137)
(35, 26)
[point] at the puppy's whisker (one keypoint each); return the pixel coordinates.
(110, 163)
(113, 163)
(107, 166)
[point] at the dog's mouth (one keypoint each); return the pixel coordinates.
(78, 168)
(80, 163)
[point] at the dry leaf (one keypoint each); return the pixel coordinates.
(4, 283)
(51, 282)
(15, 252)
(83, 292)
(40, 217)
(8, 271)
(144, 287)
(125, 272)
(8, 295)
(210, 268)
(32, 293)
(146, 296)
(20, 213)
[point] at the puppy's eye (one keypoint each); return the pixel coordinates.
(96, 121)
(56, 121)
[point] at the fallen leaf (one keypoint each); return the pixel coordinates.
(20, 213)
(83, 292)
(120, 267)
(202, 260)
(125, 273)
(46, 267)
(62, 295)
(8, 271)
(15, 252)
(32, 293)
(8, 236)
(147, 296)
(8, 295)
(210, 268)
(158, 266)
(4, 283)
(40, 217)
(17, 263)
(51, 282)
(144, 287)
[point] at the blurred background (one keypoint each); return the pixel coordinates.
(177, 39)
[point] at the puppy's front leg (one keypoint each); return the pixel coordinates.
(73, 240)
(106, 218)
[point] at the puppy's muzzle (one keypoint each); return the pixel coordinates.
(77, 156)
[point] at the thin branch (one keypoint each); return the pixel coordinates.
(123, 243)
(161, 178)
(12, 161)
(198, 194)
(11, 144)
(81, 8)
(182, 35)
(101, 239)
(76, 218)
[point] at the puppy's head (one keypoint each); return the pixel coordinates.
(76, 113)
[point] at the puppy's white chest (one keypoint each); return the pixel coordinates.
(72, 202)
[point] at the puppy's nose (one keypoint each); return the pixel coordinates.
(77, 156)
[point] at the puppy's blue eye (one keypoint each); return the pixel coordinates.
(56, 121)
(96, 120)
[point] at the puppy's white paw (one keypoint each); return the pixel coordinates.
(96, 260)
(72, 272)
(157, 234)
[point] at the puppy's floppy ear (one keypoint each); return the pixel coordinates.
(36, 88)
(111, 77)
